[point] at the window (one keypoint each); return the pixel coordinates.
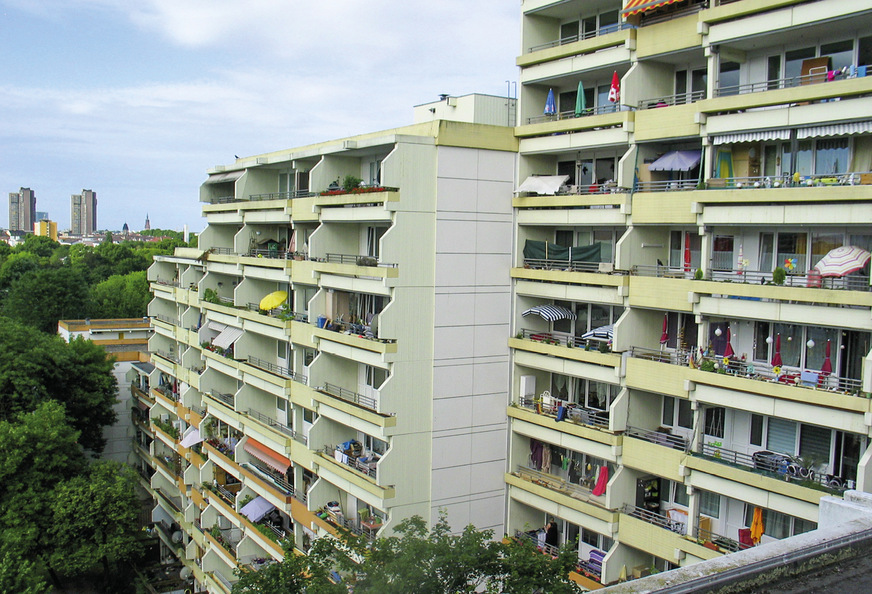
(781, 436)
(685, 413)
(375, 376)
(308, 356)
(710, 504)
(569, 32)
(793, 63)
(778, 525)
(679, 242)
(668, 411)
(814, 445)
(841, 53)
(309, 416)
(714, 421)
(729, 83)
(795, 350)
(831, 155)
(676, 493)
(722, 252)
(756, 430)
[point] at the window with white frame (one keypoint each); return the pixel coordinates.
(779, 525)
(677, 415)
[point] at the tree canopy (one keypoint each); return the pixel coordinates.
(36, 367)
(417, 560)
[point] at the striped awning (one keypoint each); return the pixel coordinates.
(637, 6)
(835, 130)
(267, 456)
(552, 313)
(222, 178)
(227, 337)
(601, 333)
(758, 136)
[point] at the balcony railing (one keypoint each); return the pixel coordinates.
(227, 251)
(785, 180)
(676, 442)
(282, 195)
(724, 543)
(349, 396)
(277, 478)
(670, 100)
(168, 283)
(570, 114)
(756, 370)
(655, 518)
(573, 38)
(573, 412)
(270, 422)
(556, 483)
(568, 265)
(227, 399)
(779, 83)
(224, 199)
(853, 282)
(358, 260)
(167, 319)
(671, 185)
(275, 254)
(278, 370)
(168, 356)
(565, 339)
(366, 465)
(781, 466)
(167, 393)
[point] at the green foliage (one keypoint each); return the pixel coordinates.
(778, 276)
(121, 296)
(524, 569)
(38, 245)
(42, 297)
(349, 182)
(707, 365)
(95, 519)
(699, 274)
(16, 266)
(18, 574)
(36, 367)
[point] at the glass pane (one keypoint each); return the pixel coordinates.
(821, 243)
(714, 422)
(756, 430)
(668, 411)
(722, 252)
(602, 99)
(831, 156)
(814, 445)
(597, 395)
(792, 248)
(710, 504)
(680, 84)
(800, 526)
(793, 64)
(680, 496)
(685, 414)
(773, 73)
(569, 32)
(698, 81)
(566, 102)
(804, 157)
(792, 343)
(770, 160)
(766, 249)
(675, 249)
(864, 55)
(841, 53)
(599, 315)
(609, 21)
(762, 331)
(589, 25)
(729, 83)
(563, 237)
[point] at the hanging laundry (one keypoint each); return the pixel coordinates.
(602, 480)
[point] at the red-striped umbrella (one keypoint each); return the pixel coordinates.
(843, 260)
(664, 336)
(827, 367)
(728, 351)
(776, 357)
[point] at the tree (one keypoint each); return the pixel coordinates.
(39, 450)
(39, 245)
(35, 367)
(95, 520)
(18, 574)
(121, 296)
(525, 569)
(42, 297)
(16, 266)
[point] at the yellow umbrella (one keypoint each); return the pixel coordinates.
(273, 300)
(757, 525)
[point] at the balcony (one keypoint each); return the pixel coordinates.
(273, 480)
(357, 197)
(366, 465)
(566, 411)
(278, 370)
(594, 119)
(573, 45)
(349, 396)
(225, 399)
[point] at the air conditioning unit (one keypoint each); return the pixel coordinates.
(606, 267)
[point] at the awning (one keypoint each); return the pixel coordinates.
(637, 6)
(758, 136)
(145, 367)
(835, 130)
(227, 337)
(211, 325)
(267, 456)
(676, 161)
(551, 313)
(191, 437)
(256, 509)
(223, 178)
(142, 405)
(542, 184)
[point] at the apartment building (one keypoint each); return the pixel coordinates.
(22, 210)
(691, 334)
(83, 213)
(335, 357)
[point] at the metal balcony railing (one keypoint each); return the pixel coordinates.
(282, 195)
(275, 477)
(776, 83)
(168, 283)
(655, 518)
(167, 319)
(349, 396)
(671, 185)
(270, 422)
(227, 399)
(223, 199)
(168, 356)
(366, 466)
(570, 114)
(669, 100)
(278, 370)
(568, 265)
(589, 35)
(555, 483)
(676, 442)
(574, 412)
(358, 260)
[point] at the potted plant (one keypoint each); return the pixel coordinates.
(779, 275)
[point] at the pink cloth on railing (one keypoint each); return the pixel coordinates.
(601, 481)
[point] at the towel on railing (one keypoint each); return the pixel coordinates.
(601, 481)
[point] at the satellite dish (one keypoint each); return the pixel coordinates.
(185, 574)
(177, 536)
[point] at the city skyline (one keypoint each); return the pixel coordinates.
(78, 115)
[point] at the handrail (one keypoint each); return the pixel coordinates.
(774, 83)
(278, 369)
(655, 518)
(227, 399)
(570, 114)
(574, 412)
(282, 195)
(349, 396)
(270, 422)
(670, 100)
(358, 260)
(669, 440)
(589, 35)
(350, 461)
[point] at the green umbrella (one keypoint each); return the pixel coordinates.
(580, 105)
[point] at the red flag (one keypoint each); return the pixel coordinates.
(615, 89)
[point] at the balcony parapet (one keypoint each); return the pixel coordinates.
(622, 118)
(559, 344)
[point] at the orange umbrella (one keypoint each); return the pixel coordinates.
(757, 525)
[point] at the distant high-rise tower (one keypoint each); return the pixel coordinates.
(22, 210)
(147, 223)
(83, 213)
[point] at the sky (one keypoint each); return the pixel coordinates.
(137, 99)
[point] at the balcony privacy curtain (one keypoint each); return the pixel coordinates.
(637, 6)
(541, 250)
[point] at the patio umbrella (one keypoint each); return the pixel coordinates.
(687, 251)
(550, 105)
(615, 89)
(757, 525)
(273, 300)
(664, 336)
(580, 103)
(601, 333)
(827, 367)
(551, 313)
(776, 357)
(843, 260)
(728, 351)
